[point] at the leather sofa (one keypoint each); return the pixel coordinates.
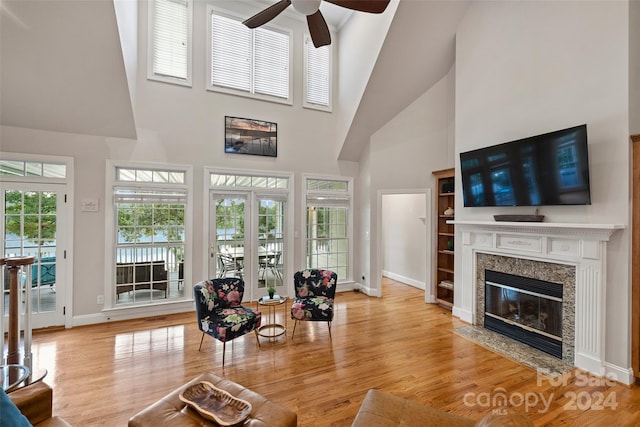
(35, 402)
(171, 411)
(380, 409)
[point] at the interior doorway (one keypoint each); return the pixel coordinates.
(404, 236)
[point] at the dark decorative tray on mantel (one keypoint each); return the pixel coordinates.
(519, 218)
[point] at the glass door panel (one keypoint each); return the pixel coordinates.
(248, 241)
(32, 227)
(270, 244)
(227, 251)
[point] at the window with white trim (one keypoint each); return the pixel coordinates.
(250, 233)
(150, 227)
(248, 62)
(169, 49)
(317, 76)
(33, 169)
(328, 219)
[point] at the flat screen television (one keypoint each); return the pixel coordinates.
(542, 170)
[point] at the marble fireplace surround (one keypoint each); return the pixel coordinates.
(549, 272)
(580, 249)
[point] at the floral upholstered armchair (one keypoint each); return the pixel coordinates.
(315, 291)
(220, 313)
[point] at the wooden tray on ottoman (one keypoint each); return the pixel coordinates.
(216, 404)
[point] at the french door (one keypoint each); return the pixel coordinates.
(247, 240)
(35, 226)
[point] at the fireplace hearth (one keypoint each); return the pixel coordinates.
(525, 309)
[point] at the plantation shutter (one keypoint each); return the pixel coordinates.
(317, 74)
(170, 39)
(230, 53)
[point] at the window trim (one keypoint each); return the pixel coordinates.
(188, 82)
(305, 63)
(348, 204)
(177, 304)
(69, 185)
(211, 10)
(287, 195)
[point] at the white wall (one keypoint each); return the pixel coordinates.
(127, 20)
(89, 153)
(351, 56)
(182, 125)
(529, 67)
(401, 156)
(77, 45)
(404, 238)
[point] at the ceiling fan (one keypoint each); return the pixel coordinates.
(311, 8)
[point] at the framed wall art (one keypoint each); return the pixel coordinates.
(249, 136)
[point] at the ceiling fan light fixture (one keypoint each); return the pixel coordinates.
(306, 7)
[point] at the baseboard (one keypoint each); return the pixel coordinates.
(406, 280)
(365, 289)
(464, 315)
(346, 286)
(618, 373)
(129, 313)
(88, 319)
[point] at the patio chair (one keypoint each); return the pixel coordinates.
(315, 291)
(220, 313)
(229, 266)
(270, 261)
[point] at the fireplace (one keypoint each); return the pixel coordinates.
(525, 309)
(572, 254)
(533, 279)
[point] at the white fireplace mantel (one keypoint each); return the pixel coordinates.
(602, 230)
(581, 245)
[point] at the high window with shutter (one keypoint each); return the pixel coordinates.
(317, 76)
(170, 26)
(242, 61)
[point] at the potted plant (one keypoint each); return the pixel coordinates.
(271, 290)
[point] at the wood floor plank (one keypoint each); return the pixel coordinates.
(103, 374)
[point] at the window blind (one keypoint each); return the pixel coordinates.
(271, 63)
(170, 38)
(129, 195)
(230, 53)
(317, 74)
(254, 61)
(336, 201)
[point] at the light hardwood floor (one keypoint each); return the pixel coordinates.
(103, 374)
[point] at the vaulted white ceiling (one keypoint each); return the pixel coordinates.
(63, 69)
(418, 51)
(54, 78)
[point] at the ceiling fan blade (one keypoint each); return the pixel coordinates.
(371, 6)
(318, 29)
(267, 14)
